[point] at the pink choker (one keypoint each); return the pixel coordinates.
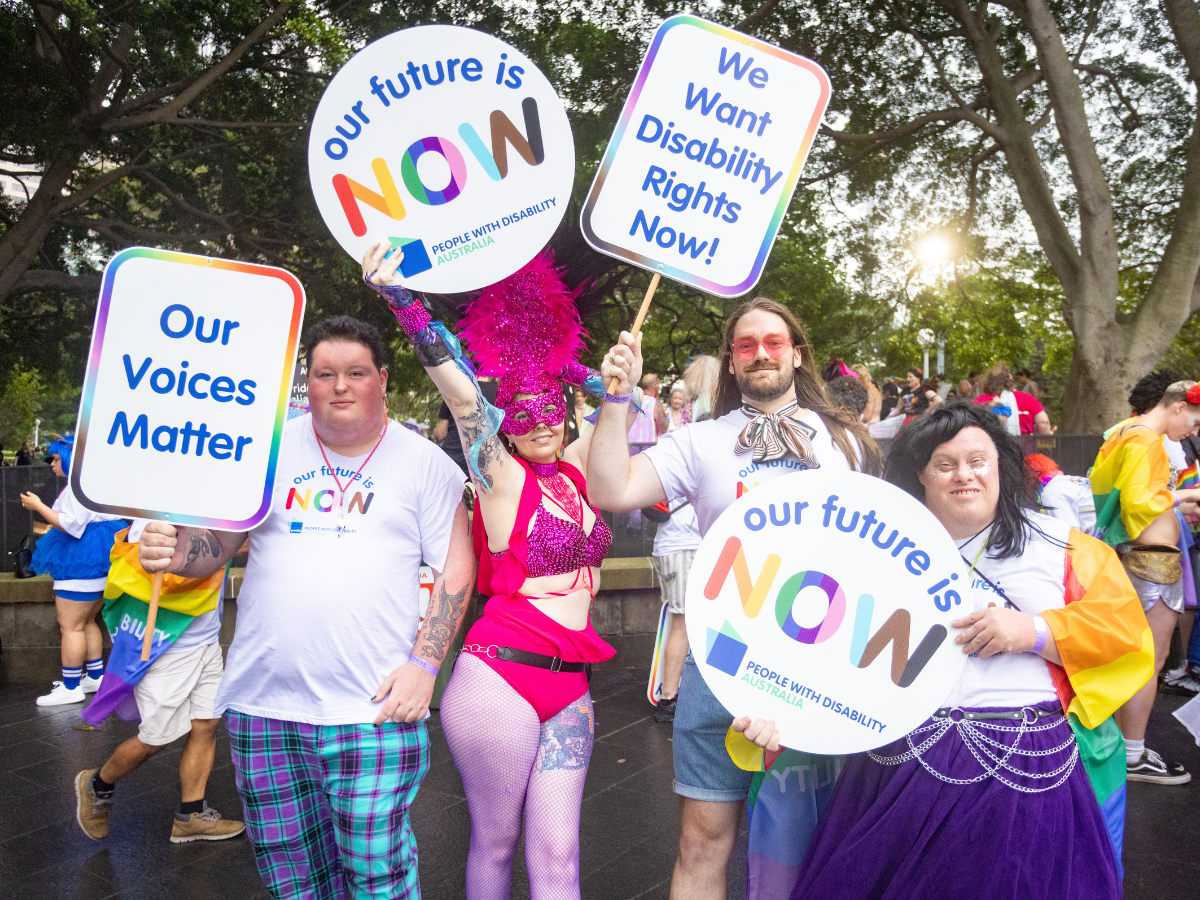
(545, 470)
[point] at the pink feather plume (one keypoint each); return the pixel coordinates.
(527, 323)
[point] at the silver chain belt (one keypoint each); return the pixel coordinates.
(995, 757)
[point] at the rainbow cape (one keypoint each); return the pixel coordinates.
(1130, 484)
(126, 606)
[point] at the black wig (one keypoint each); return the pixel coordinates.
(916, 442)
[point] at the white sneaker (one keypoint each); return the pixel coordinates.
(61, 696)
(89, 684)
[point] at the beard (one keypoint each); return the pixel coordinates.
(764, 390)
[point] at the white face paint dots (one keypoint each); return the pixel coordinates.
(980, 467)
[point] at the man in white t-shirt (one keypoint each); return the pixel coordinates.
(330, 673)
(770, 417)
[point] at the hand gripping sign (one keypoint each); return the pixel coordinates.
(825, 604)
(704, 159)
(452, 143)
(186, 390)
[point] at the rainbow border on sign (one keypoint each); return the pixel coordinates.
(93, 371)
(785, 199)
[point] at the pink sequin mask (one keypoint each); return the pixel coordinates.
(523, 416)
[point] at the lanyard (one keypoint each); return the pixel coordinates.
(341, 523)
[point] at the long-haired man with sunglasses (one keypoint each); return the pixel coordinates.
(770, 417)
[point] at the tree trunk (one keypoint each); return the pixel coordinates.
(20, 244)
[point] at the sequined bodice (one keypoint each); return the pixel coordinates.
(557, 547)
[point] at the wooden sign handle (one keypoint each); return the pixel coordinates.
(148, 639)
(637, 323)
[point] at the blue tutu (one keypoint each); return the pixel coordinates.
(76, 559)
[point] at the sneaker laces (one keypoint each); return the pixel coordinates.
(208, 815)
(1154, 759)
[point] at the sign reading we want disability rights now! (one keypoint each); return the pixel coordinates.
(186, 389)
(825, 603)
(450, 143)
(702, 164)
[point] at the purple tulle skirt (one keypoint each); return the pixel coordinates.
(895, 832)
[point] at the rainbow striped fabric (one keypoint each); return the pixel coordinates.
(126, 605)
(1130, 482)
(1190, 477)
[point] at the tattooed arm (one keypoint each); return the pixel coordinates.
(502, 475)
(189, 552)
(406, 693)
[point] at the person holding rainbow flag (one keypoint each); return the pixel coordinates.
(172, 693)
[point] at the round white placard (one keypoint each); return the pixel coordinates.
(450, 143)
(824, 602)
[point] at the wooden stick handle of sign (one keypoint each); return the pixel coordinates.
(151, 616)
(641, 317)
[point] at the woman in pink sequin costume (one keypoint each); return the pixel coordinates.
(517, 712)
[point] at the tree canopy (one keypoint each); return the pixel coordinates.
(1053, 144)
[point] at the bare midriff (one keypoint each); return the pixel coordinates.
(1163, 530)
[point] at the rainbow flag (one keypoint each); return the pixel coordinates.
(1129, 483)
(1190, 477)
(126, 607)
(1107, 655)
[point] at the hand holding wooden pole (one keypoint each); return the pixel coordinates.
(637, 323)
(151, 616)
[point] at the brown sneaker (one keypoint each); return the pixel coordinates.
(91, 812)
(204, 826)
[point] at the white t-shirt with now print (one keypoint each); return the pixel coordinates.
(323, 619)
(698, 462)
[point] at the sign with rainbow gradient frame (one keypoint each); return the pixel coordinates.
(449, 143)
(824, 601)
(186, 391)
(701, 167)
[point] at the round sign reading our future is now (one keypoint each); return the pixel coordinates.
(449, 143)
(825, 603)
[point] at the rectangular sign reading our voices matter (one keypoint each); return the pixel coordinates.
(186, 390)
(702, 164)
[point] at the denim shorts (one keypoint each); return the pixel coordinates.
(703, 769)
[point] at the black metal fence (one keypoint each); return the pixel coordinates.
(16, 522)
(633, 534)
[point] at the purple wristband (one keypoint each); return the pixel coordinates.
(421, 664)
(617, 398)
(396, 295)
(1040, 630)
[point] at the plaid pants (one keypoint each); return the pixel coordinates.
(327, 805)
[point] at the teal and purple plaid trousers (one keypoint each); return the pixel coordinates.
(327, 805)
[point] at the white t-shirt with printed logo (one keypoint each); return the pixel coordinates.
(1032, 582)
(322, 620)
(698, 462)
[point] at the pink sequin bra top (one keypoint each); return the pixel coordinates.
(557, 546)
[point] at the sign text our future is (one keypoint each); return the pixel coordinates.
(701, 167)
(186, 388)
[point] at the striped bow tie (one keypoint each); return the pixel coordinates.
(773, 436)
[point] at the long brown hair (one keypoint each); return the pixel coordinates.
(810, 389)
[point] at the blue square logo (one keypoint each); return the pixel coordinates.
(297, 527)
(726, 653)
(416, 257)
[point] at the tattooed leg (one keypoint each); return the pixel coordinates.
(554, 798)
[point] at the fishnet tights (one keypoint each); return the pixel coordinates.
(509, 762)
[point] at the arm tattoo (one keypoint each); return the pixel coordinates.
(491, 453)
(203, 543)
(444, 616)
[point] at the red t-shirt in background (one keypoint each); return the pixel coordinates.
(1027, 407)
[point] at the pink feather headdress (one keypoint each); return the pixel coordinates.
(525, 331)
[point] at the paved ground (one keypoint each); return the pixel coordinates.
(629, 831)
